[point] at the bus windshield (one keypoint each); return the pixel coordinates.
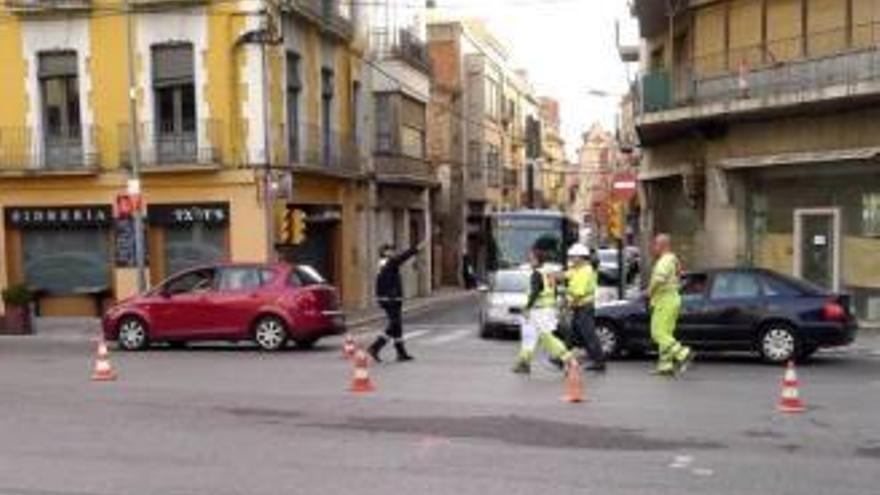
(513, 238)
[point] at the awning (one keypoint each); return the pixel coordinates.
(800, 158)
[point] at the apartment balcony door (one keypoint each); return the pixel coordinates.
(817, 246)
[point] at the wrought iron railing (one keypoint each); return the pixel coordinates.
(27, 149)
(819, 60)
(327, 149)
(401, 166)
(172, 146)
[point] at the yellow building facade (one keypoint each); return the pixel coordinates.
(212, 96)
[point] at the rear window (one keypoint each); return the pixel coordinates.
(304, 276)
(511, 282)
(782, 285)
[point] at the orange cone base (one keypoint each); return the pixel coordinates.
(791, 408)
(573, 400)
(362, 387)
(104, 376)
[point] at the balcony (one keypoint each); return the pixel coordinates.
(23, 153)
(174, 149)
(511, 178)
(401, 44)
(327, 14)
(767, 78)
(402, 169)
(35, 7)
(325, 152)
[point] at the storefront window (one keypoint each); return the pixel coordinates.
(64, 262)
(871, 214)
(192, 247)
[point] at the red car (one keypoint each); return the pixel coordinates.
(269, 304)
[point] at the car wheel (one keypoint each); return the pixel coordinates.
(133, 334)
(270, 333)
(778, 343)
(609, 337)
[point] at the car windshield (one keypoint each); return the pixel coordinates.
(607, 256)
(510, 281)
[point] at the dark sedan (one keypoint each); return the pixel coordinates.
(739, 309)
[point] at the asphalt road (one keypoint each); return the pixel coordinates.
(216, 420)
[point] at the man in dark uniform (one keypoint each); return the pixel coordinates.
(389, 293)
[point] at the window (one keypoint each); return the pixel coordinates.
(412, 132)
(327, 115)
(355, 113)
(66, 261)
(735, 286)
(191, 283)
(294, 86)
(187, 248)
(175, 102)
(871, 215)
(493, 164)
(493, 97)
(384, 124)
(61, 113)
(304, 276)
(241, 279)
(777, 287)
(475, 160)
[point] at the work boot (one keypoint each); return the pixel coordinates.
(557, 362)
(376, 348)
(522, 368)
(402, 355)
(682, 365)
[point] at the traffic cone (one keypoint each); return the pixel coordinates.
(348, 347)
(790, 400)
(103, 371)
(574, 383)
(360, 380)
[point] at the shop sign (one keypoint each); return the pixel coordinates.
(212, 214)
(44, 217)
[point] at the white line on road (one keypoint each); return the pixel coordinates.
(449, 337)
(415, 335)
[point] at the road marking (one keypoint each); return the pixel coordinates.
(415, 335)
(702, 472)
(682, 461)
(449, 337)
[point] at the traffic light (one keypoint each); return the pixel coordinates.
(290, 225)
(297, 226)
(615, 220)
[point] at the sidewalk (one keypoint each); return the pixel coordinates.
(83, 329)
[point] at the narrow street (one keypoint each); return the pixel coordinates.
(220, 420)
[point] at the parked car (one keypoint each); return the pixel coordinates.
(267, 303)
(608, 266)
(503, 301)
(740, 309)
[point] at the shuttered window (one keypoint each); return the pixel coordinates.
(173, 64)
(57, 64)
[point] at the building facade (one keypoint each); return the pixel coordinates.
(230, 103)
(403, 181)
(554, 167)
(755, 118)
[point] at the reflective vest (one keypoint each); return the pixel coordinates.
(547, 297)
(581, 285)
(664, 279)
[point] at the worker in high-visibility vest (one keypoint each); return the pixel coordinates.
(583, 282)
(540, 319)
(674, 358)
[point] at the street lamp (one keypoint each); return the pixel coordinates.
(134, 182)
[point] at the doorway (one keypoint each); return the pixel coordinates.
(817, 246)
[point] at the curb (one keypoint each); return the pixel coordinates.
(414, 307)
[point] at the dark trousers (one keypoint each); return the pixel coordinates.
(584, 325)
(393, 310)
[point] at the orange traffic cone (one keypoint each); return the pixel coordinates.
(574, 382)
(360, 380)
(348, 347)
(790, 400)
(103, 371)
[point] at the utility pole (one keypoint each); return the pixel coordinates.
(134, 184)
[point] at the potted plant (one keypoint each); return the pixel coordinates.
(17, 299)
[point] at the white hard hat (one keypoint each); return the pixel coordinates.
(579, 250)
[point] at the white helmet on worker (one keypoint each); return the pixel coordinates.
(579, 251)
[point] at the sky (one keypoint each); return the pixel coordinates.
(568, 47)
